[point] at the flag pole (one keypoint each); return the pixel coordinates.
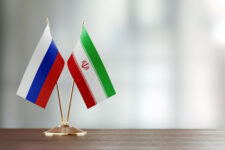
(60, 105)
(71, 96)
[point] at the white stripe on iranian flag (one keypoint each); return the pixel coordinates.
(89, 73)
(34, 63)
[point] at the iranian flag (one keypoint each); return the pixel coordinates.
(88, 71)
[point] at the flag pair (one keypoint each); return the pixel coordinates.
(46, 65)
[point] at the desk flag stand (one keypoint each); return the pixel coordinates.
(64, 128)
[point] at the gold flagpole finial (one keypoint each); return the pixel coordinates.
(83, 21)
(82, 24)
(47, 21)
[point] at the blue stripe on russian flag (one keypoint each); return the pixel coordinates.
(42, 73)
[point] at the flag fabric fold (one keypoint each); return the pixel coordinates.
(88, 71)
(42, 72)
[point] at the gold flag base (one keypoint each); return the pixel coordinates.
(65, 129)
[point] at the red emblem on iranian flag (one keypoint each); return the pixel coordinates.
(85, 65)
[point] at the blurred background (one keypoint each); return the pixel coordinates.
(166, 59)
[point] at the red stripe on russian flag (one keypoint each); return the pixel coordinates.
(81, 82)
(50, 81)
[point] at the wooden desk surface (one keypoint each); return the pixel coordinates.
(24, 139)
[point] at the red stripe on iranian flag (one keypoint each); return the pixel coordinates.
(81, 82)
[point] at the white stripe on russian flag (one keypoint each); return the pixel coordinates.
(34, 63)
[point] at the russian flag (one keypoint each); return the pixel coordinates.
(42, 72)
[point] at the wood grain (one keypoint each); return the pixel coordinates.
(175, 139)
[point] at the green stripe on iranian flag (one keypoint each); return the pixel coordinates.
(96, 62)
